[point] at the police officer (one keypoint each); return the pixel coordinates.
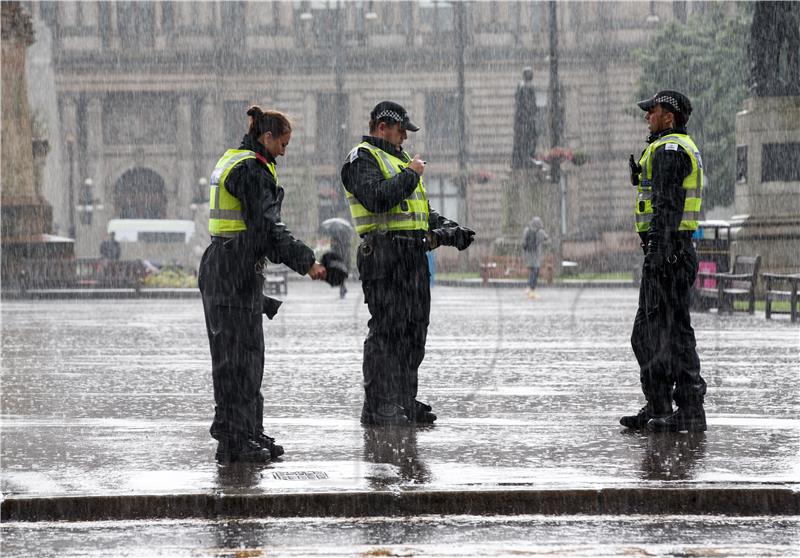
(669, 178)
(389, 207)
(246, 227)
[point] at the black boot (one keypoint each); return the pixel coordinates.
(646, 413)
(268, 443)
(685, 419)
(420, 413)
(241, 452)
(383, 414)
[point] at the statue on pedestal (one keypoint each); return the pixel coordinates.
(525, 123)
(775, 49)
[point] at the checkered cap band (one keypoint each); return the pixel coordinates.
(388, 114)
(671, 101)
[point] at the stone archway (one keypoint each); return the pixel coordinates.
(140, 194)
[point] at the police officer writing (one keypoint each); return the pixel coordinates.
(246, 230)
(389, 207)
(669, 178)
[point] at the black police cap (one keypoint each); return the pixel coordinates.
(674, 101)
(389, 111)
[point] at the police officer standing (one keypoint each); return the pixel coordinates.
(389, 207)
(669, 178)
(246, 229)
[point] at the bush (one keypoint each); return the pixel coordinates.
(171, 277)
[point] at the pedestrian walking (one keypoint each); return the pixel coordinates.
(110, 248)
(669, 178)
(534, 238)
(246, 231)
(390, 210)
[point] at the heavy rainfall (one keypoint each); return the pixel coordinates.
(377, 278)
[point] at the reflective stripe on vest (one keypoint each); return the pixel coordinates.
(693, 184)
(411, 214)
(225, 210)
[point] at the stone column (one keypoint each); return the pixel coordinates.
(27, 252)
(211, 128)
(18, 187)
(187, 182)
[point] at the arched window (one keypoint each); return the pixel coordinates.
(140, 194)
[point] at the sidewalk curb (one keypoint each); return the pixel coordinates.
(521, 284)
(737, 501)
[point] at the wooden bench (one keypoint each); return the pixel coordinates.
(502, 267)
(781, 287)
(740, 283)
(506, 267)
(276, 279)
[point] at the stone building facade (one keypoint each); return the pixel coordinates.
(150, 93)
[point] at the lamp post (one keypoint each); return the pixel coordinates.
(556, 118)
(71, 190)
(463, 176)
(87, 203)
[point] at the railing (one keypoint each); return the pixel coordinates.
(85, 272)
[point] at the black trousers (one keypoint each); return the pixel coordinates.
(399, 304)
(236, 338)
(663, 338)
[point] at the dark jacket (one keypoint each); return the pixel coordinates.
(387, 253)
(670, 168)
(228, 273)
(362, 177)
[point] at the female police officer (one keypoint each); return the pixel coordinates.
(245, 225)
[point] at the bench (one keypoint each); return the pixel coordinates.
(505, 267)
(502, 267)
(739, 284)
(781, 287)
(276, 279)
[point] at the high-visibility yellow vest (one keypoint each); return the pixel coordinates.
(411, 214)
(225, 215)
(693, 184)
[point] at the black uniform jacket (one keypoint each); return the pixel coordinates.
(670, 168)
(228, 272)
(362, 177)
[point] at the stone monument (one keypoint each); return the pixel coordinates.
(31, 256)
(528, 191)
(767, 192)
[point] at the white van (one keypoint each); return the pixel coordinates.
(157, 240)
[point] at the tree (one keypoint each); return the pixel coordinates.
(706, 59)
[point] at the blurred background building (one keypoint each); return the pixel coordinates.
(139, 99)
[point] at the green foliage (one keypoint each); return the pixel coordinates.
(171, 277)
(706, 59)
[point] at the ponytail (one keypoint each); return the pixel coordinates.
(262, 121)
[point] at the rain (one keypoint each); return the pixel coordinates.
(465, 247)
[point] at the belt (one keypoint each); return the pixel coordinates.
(405, 235)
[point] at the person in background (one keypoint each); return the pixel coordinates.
(246, 231)
(534, 238)
(109, 248)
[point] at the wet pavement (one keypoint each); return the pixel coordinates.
(114, 398)
(438, 536)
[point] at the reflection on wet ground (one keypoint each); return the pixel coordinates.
(440, 536)
(115, 397)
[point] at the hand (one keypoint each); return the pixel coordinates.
(417, 165)
(317, 271)
(463, 238)
(636, 170)
(458, 237)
